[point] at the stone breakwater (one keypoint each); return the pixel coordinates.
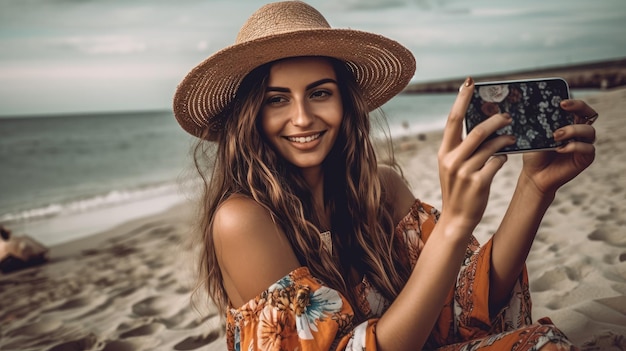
(595, 75)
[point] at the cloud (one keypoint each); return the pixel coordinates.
(424, 5)
(48, 44)
(105, 44)
(499, 12)
(44, 87)
(89, 70)
(351, 5)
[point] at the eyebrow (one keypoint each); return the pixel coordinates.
(309, 86)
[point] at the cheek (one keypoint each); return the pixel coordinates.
(267, 127)
(330, 114)
(338, 117)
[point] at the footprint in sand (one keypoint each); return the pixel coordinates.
(611, 237)
(613, 215)
(195, 342)
(38, 328)
(564, 210)
(123, 292)
(557, 278)
(578, 199)
(146, 329)
(85, 343)
(155, 263)
(545, 225)
(154, 306)
(72, 304)
(79, 306)
(118, 345)
(175, 321)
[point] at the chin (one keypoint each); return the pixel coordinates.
(306, 164)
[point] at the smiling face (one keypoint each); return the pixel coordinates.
(302, 110)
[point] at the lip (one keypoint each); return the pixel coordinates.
(303, 144)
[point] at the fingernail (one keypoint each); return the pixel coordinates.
(559, 134)
(566, 103)
(469, 81)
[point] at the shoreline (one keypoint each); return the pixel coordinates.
(605, 75)
(129, 287)
(64, 217)
(76, 225)
(180, 211)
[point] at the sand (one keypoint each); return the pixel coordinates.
(129, 288)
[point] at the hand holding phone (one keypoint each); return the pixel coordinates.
(534, 106)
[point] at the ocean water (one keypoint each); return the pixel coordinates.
(63, 166)
(65, 177)
(68, 176)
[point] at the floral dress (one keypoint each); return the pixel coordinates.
(299, 312)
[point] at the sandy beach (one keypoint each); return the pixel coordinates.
(129, 288)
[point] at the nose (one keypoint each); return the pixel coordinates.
(302, 115)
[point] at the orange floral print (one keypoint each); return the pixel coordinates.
(299, 313)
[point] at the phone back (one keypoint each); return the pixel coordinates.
(534, 106)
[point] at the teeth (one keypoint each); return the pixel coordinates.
(306, 139)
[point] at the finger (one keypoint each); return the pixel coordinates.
(577, 147)
(482, 131)
(493, 165)
(581, 132)
(483, 154)
(583, 113)
(453, 132)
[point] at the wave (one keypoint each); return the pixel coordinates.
(112, 198)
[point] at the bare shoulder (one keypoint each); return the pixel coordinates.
(400, 198)
(243, 228)
(235, 215)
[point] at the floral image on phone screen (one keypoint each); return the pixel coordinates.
(534, 106)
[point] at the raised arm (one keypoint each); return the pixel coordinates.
(466, 171)
(543, 173)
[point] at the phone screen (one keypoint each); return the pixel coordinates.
(534, 106)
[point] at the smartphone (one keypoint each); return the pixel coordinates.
(534, 106)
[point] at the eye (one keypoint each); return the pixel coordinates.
(275, 100)
(320, 94)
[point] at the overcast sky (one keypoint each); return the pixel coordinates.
(74, 56)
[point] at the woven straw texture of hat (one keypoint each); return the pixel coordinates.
(382, 67)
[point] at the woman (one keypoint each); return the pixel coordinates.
(309, 244)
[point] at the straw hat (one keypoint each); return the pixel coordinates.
(381, 66)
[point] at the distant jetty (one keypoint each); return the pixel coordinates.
(593, 75)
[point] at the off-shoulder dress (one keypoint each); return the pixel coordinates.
(299, 312)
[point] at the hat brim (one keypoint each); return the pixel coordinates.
(382, 68)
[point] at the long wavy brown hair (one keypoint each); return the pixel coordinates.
(361, 223)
